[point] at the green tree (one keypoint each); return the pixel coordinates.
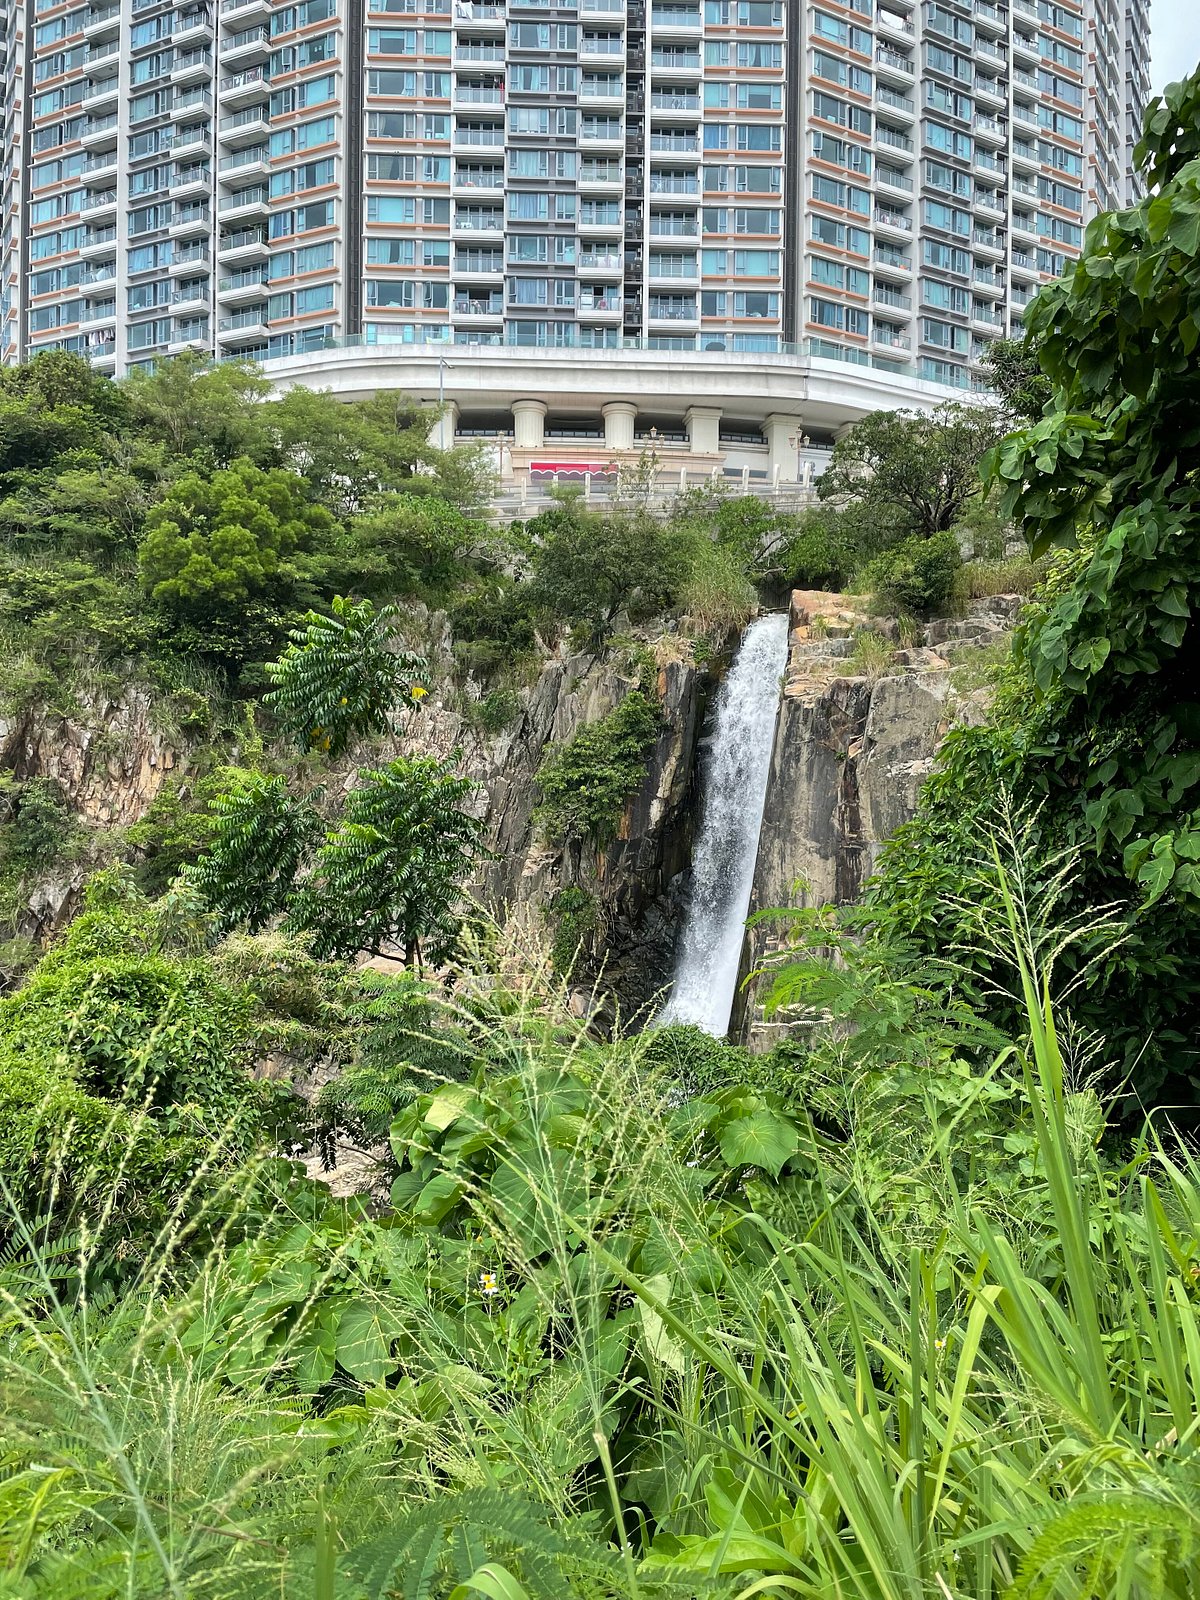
(415, 543)
(351, 450)
(585, 782)
(922, 470)
(389, 873)
(341, 676)
(261, 837)
(591, 566)
(216, 541)
(1096, 732)
(1016, 377)
(201, 408)
(916, 575)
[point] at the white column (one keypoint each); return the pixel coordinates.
(445, 427)
(619, 418)
(529, 424)
(704, 430)
(781, 430)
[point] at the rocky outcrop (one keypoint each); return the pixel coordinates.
(108, 759)
(854, 741)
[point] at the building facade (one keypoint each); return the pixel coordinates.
(878, 183)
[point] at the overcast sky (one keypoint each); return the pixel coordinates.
(1174, 40)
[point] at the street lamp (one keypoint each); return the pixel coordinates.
(799, 441)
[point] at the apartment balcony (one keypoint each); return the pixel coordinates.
(101, 20)
(477, 180)
(244, 127)
(98, 313)
(986, 280)
(988, 239)
(892, 25)
(599, 263)
(189, 181)
(97, 168)
(240, 88)
(893, 66)
(253, 162)
(192, 66)
(989, 50)
(681, 100)
(237, 14)
(189, 142)
(478, 264)
(680, 147)
(1022, 264)
(589, 227)
(245, 204)
(602, 92)
(991, 90)
(675, 64)
(676, 21)
(606, 52)
(194, 102)
(473, 308)
(892, 261)
(103, 59)
(469, 223)
(101, 96)
(989, 17)
(890, 300)
(985, 317)
(471, 96)
(599, 181)
(985, 161)
(192, 301)
(885, 339)
(610, 9)
(891, 139)
(1025, 46)
(477, 138)
(672, 317)
(602, 139)
(994, 204)
(602, 307)
(1025, 80)
(100, 204)
(243, 289)
(241, 50)
(991, 129)
(900, 106)
(243, 245)
(181, 341)
(473, 14)
(100, 133)
(190, 220)
(191, 26)
(243, 325)
(100, 244)
(892, 221)
(1025, 155)
(189, 259)
(668, 186)
(893, 180)
(98, 277)
(479, 54)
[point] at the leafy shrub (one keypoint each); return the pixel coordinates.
(872, 657)
(591, 566)
(585, 782)
(916, 575)
(716, 594)
(573, 914)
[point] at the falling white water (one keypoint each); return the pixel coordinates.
(735, 787)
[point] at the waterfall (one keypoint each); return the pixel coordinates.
(735, 787)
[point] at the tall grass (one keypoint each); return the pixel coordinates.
(740, 1385)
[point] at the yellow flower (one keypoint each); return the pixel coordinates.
(939, 1344)
(418, 693)
(343, 701)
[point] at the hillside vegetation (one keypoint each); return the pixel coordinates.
(906, 1309)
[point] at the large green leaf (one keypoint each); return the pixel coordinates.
(764, 1139)
(363, 1345)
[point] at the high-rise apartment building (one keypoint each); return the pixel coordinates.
(882, 183)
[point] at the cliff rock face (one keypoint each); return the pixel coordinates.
(849, 758)
(110, 761)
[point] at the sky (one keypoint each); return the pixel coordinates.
(1174, 40)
